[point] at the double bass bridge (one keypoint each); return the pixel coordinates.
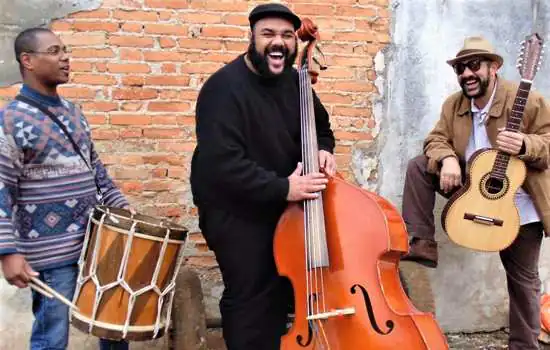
(334, 313)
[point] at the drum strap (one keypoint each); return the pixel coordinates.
(62, 126)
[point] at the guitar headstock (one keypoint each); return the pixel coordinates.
(530, 56)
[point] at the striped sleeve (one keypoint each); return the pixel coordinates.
(111, 194)
(9, 177)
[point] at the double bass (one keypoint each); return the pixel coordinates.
(341, 252)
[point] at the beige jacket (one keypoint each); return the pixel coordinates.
(451, 134)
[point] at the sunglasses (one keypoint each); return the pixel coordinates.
(473, 65)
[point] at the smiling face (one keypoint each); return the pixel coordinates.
(272, 48)
(47, 62)
(476, 76)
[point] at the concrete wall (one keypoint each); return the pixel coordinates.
(469, 288)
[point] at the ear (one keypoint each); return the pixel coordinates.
(26, 61)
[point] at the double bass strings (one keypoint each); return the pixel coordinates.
(313, 211)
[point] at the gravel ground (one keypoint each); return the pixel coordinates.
(457, 341)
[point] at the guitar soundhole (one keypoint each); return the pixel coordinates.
(494, 186)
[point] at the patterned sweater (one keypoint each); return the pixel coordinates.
(46, 189)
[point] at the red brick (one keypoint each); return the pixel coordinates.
(130, 54)
(166, 29)
(131, 106)
(136, 15)
(128, 68)
(130, 41)
(156, 133)
(83, 39)
(89, 26)
(132, 27)
(79, 66)
(200, 17)
(167, 42)
(224, 32)
(237, 20)
(130, 119)
(135, 94)
(220, 5)
(95, 119)
(92, 53)
(131, 133)
(74, 92)
(132, 187)
(132, 80)
(169, 68)
(93, 79)
(167, 4)
(61, 26)
(99, 106)
(167, 80)
(200, 43)
(104, 134)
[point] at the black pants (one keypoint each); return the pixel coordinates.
(255, 301)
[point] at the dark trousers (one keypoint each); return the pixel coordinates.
(520, 259)
(255, 301)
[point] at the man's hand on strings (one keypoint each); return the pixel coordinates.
(327, 163)
(308, 186)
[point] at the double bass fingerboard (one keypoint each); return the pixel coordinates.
(314, 218)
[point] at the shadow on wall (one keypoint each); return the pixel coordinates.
(19, 15)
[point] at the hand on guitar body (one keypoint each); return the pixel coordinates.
(450, 174)
(510, 141)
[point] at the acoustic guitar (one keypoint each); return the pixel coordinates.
(482, 215)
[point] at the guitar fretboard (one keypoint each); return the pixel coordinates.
(513, 124)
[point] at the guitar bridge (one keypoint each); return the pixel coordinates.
(485, 220)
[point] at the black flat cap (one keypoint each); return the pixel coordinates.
(273, 10)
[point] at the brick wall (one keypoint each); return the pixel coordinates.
(137, 67)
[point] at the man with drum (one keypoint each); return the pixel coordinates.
(50, 176)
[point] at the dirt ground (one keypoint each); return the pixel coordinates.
(457, 341)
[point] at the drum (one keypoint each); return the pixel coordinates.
(127, 272)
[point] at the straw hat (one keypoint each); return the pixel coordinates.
(476, 46)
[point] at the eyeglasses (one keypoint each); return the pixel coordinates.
(473, 65)
(52, 50)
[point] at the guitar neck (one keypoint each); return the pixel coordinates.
(519, 105)
(513, 124)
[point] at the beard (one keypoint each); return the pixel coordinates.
(260, 59)
(483, 86)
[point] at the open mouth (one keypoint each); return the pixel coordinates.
(471, 84)
(277, 58)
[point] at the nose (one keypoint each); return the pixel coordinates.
(64, 56)
(278, 39)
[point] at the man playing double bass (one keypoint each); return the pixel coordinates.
(246, 168)
(470, 120)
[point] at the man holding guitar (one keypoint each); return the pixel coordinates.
(480, 117)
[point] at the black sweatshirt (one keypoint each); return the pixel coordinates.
(248, 140)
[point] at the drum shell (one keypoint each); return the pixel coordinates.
(146, 270)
